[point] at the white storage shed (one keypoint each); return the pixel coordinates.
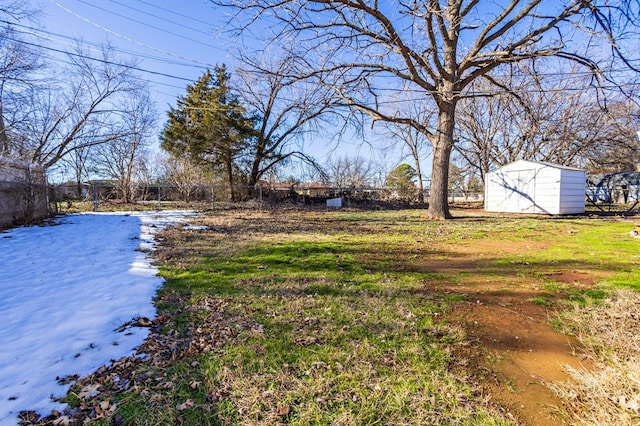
(535, 187)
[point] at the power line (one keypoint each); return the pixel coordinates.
(148, 79)
(161, 18)
(466, 94)
(35, 31)
(104, 61)
(560, 74)
(128, 38)
(149, 25)
(174, 12)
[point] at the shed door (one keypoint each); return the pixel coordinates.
(522, 194)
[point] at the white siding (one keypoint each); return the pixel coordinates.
(531, 187)
(573, 190)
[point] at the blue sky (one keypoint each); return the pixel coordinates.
(179, 42)
(175, 43)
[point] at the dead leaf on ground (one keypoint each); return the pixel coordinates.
(187, 404)
(283, 410)
(89, 391)
(62, 421)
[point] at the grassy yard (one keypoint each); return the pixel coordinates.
(346, 317)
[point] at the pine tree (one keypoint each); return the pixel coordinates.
(402, 180)
(209, 126)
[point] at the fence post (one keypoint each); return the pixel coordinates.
(94, 190)
(213, 197)
(261, 199)
(48, 199)
(159, 198)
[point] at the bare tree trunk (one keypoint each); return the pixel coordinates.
(414, 146)
(442, 146)
(229, 166)
(4, 139)
(416, 159)
(420, 184)
(131, 162)
(255, 166)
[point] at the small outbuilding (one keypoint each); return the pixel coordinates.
(535, 187)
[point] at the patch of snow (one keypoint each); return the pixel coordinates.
(196, 227)
(64, 291)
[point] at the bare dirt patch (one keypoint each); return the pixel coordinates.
(519, 354)
(516, 351)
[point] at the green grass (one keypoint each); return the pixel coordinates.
(338, 317)
(540, 300)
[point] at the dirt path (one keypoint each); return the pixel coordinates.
(520, 352)
(515, 350)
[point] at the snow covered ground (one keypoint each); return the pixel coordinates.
(64, 290)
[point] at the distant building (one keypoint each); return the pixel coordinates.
(617, 188)
(71, 189)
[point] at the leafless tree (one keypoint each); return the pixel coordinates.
(541, 118)
(121, 159)
(499, 126)
(412, 140)
(347, 171)
(18, 62)
(286, 108)
(83, 110)
(185, 176)
(78, 163)
(438, 48)
(618, 147)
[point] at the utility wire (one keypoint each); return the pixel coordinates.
(164, 30)
(104, 61)
(391, 101)
(150, 80)
(561, 75)
(34, 31)
(174, 12)
(128, 38)
(161, 18)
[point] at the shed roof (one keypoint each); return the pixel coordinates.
(542, 163)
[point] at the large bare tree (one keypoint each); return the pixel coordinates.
(286, 109)
(438, 48)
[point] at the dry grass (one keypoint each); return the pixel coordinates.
(341, 318)
(608, 393)
(342, 340)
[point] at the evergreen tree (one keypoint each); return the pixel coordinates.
(209, 126)
(402, 180)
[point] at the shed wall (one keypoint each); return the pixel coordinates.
(573, 191)
(546, 197)
(530, 187)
